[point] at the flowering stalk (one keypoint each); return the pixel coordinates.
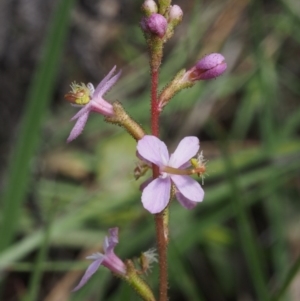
(161, 226)
(162, 243)
(154, 106)
(155, 45)
(171, 173)
(156, 55)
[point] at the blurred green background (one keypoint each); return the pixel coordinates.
(58, 200)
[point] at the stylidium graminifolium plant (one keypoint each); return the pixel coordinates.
(171, 173)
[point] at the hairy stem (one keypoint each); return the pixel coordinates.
(154, 104)
(162, 244)
(159, 218)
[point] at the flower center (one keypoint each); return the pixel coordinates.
(80, 94)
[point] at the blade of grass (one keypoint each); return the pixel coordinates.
(36, 276)
(249, 244)
(37, 273)
(30, 129)
(288, 280)
(268, 83)
(179, 267)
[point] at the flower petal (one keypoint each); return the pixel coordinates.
(102, 107)
(186, 149)
(106, 83)
(153, 150)
(105, 80)
(82, 111)
(78, 127)
(189, 188)
(92, 268)
(95, 256)
(114, 263)
(111, 241)
(186, 203)
(156, 195)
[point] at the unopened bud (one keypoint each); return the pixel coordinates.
(149, 7)
(175, 15)
(211, 66)
(155, 24)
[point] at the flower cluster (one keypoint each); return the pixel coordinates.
(157, 24)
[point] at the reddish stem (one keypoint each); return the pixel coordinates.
(154, 104)
(162, 253)
(159, 218)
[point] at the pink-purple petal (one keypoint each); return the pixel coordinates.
(113, 240)
(105, 244)
(78, 127)
(153, 150)
(157, 24)
(156, 195)
(91, 270)
(210, 61)
(106, 86)
(102, 107)
(82, 111)
(186, 203)
(214, 72)
(188, 187)
(109, 84)
(186, 149)
(100, 86)
(114, 263)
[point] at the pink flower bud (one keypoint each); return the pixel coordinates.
(175, 14)
(149, 7)
(155, 24)
(210, 66)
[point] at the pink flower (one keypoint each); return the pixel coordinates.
(175, 14)
(155, 24)
(92, 101)
(173, 169)
(210, 66)
(149, 7)
(108, 259)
